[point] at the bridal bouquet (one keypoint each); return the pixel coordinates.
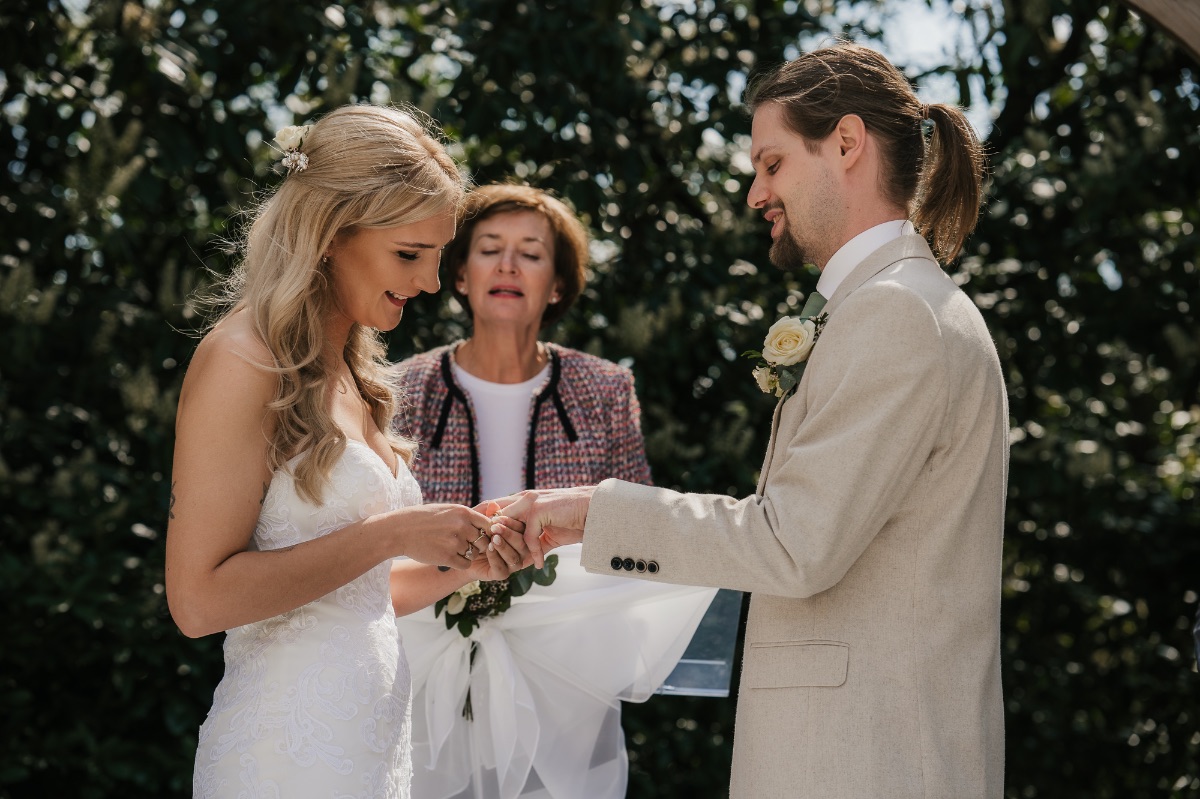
(476, 601)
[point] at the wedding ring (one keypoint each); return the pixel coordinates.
(482, 534)
(469, 554)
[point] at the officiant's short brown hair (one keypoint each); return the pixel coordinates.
(570, 239)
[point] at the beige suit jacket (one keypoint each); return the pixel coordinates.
(872, 547)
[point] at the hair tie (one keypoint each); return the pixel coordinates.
(924, 110)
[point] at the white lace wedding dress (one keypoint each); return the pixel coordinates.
(316, 702)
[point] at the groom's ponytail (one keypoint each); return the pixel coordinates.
(941, 186)
(950, 193)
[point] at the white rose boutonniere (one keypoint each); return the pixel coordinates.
(785, 351)
(766, 379)
(789, 341)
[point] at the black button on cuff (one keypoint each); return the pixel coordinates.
(652, 567)
(627, 564)
(616, 564)
(640, 565)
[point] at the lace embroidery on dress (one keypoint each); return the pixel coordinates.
(316, 701)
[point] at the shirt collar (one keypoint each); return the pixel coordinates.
(855, 251)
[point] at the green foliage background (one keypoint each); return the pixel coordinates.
(131, 135)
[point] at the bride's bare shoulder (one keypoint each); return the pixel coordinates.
(233, 354)
(234, 336)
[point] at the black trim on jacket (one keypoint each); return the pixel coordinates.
(548, 391)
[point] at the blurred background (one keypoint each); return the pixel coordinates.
(132, 135)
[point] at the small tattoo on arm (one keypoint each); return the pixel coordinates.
(171, 506)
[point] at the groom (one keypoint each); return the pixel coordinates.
(873, 543)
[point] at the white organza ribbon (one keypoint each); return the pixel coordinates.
(545, 686)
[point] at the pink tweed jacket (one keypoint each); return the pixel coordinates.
(584, 426)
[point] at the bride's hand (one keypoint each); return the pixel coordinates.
(505, 549)
(445, 535)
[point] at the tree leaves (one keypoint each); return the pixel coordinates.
(133, 137)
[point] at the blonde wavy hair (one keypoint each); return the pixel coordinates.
(368, 167)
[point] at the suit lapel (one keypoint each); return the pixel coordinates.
(900, 249)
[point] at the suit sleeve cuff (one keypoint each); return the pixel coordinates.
(609, 545)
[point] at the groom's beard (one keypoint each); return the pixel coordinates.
(785, 252)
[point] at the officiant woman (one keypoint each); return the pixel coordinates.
(529, 703)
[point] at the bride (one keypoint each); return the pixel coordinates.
(290, 498)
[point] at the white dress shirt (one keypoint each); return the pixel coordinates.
(855, 251)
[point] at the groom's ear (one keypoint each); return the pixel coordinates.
(850, 135)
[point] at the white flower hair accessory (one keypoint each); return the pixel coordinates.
(290, 139)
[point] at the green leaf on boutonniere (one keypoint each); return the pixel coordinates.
(787, 380)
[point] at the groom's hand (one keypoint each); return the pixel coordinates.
(553, 517)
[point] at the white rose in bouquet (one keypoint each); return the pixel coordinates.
(458, 600)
